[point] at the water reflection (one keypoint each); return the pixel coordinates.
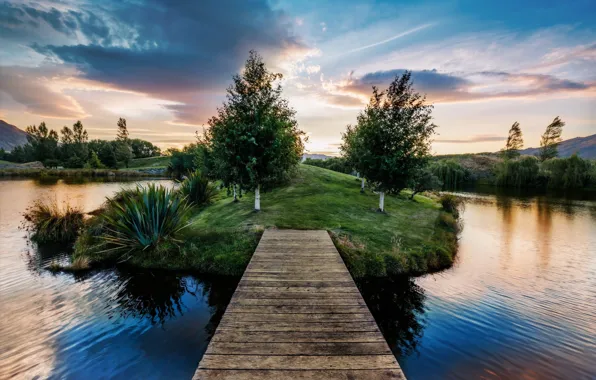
(398, 307)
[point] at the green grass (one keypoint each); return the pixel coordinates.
(408, 238)
(160, 162)
(412, 237)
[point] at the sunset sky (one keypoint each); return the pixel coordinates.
(164, 65)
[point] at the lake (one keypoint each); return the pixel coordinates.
(518, 303)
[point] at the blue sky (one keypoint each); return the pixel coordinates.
(165, 65)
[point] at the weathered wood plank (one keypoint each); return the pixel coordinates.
(297, 314)
(294, 348)
(373, 374)
(211, 361)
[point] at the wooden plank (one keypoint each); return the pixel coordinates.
(211, 361)
(294, 348)
(297, 326)
(378, 374)
(297, 314)
(303, 309)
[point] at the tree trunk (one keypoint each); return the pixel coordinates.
(382, 201)
(362, 186)
(235, 194)
(258, 198)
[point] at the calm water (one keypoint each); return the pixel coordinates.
(519, 303)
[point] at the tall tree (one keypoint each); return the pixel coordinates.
(122, 134)
(43, 142)
(549, 143)
(514, 143)
(255, 137)
(79, 134)
(391, 141)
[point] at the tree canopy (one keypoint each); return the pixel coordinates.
(390, 143)
(514, 143)
(549, 143)
(254, 137)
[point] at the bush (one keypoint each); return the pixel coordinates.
(451, 204)
(450, 173)
(149, 218)
(567, 173)
(522, 172)
(197, 189)
(50, 223)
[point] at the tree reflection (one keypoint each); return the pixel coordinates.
(398, 307)
(158, 295)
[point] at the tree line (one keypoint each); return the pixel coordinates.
(73, 149)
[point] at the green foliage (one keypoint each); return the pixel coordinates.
(522, 172)
(143, 149)
(122, 152)
(144, 220)
(424, 180)
(337, 164)
(183, 161)
(451, 204)
(568, 173)
(254, 136)
(94, 162)
(550, 140)
(391, 141)
(50, 223)
(197, 189)
(515, 142)
(449, 172)
(42, 142)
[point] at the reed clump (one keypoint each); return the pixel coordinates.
(49, 222)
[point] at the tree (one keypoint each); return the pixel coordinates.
(94, 162)
(122, 152)
(143, 148)
(391, 141)
(74, 149)
(254, 136)
(43, 142)
(515, 142)
(549, 143)
(122, 131)
(424, 180)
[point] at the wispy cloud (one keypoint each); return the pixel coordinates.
(400, 35)
(471, 140)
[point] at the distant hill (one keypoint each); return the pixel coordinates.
(585, 147)
(11, 136)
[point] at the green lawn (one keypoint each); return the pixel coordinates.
(407, 238)
(149, 162)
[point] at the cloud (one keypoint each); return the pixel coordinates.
(473, 139)
(29, 87)
(450, 88)
(179, 50)
(400, 35)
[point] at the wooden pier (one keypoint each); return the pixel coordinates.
(297, 314)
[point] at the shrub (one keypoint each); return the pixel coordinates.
(567, 173)
(197, 189)
(450, 173)
(146, 219)
(518, 173)
(451, 204)
(50, 223)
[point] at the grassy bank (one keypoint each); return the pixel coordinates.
(412, 237)
(62, 173)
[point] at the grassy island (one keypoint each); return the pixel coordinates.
(412, 237)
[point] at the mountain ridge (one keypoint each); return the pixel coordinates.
(11, 136)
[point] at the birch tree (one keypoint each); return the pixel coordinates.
(255, 137)
(391, 140)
